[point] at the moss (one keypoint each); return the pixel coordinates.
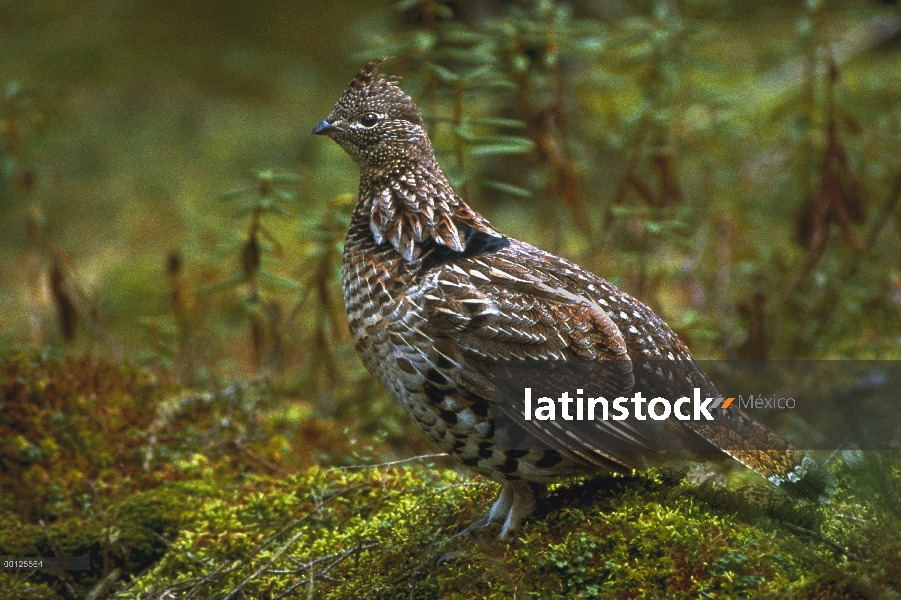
(102, 459)
(198, 518)
(13, 586)
(76, 432)
(378, 533)
(66, 421)
(130, 536)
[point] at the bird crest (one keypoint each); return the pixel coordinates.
(366, 74)
(371, 91)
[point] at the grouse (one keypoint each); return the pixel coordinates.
(436, 296)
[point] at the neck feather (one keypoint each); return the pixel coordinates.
(410, 203)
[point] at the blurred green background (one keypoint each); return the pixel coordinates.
(700, 154)
(136, 116)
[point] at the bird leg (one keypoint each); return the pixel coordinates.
(515, 502)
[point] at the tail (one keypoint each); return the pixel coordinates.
(792, 471)
(754, 445)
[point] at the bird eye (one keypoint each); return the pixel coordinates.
(368, 120)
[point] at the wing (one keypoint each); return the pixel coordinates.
(521, 305)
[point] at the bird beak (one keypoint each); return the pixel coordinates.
(325, 128)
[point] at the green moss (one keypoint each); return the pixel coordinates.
(102, 459)
(14, 586)
(130, 535)
(377, 533)
(66, 421)
(207, 515)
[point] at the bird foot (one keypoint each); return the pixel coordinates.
(515, 502)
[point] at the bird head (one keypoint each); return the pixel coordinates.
(376, 123)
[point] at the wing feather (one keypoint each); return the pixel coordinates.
(481, 313)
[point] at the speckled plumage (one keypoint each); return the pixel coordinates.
(435, 295)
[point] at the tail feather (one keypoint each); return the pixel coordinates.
(792, 471)
(760, 449)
